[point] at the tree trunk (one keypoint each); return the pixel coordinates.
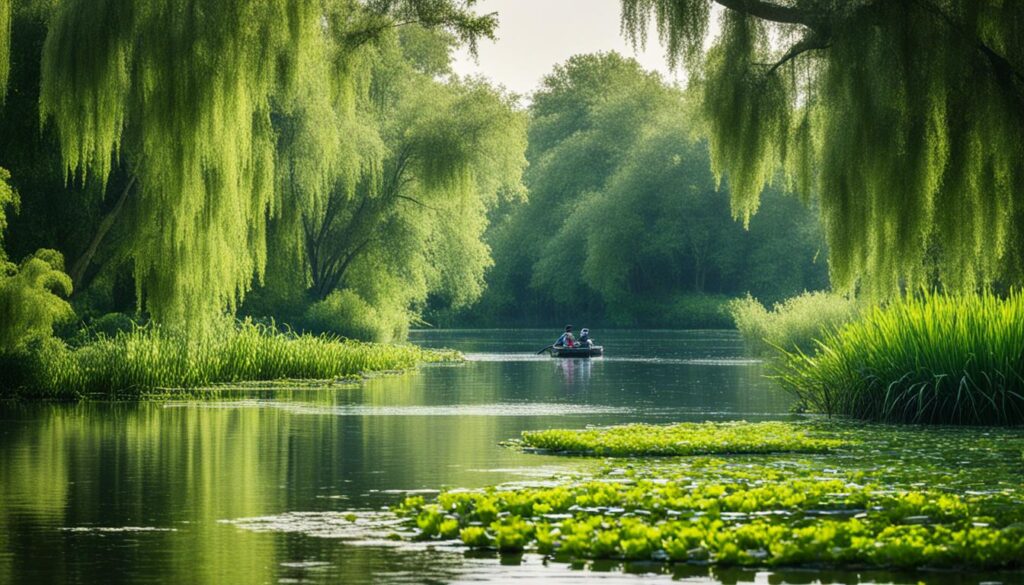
(82, 264)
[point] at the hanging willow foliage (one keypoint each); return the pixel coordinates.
(212, 105)
(6, 16)
(904, 118)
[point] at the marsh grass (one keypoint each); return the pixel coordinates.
(705, 438)
(794, 324)
(148, 361)
(928, 358)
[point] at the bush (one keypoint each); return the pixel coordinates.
(929, 358)
(147, 359)
(793, 324)
(345, 313)
(31, 299)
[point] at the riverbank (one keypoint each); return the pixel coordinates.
(145, 363)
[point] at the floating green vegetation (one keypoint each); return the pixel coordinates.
(891, 498)
(144, 361)
(705, 438)
(928, 358)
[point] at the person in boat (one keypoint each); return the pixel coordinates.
(584, 340)
(566, 340)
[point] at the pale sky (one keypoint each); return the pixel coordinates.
(535, 35)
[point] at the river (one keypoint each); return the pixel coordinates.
(284, 485)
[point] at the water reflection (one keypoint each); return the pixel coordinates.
(153, 492)
(575, 372)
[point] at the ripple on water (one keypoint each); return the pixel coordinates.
(497, 409)
(506, 357)
(115, 529)
(365, 527)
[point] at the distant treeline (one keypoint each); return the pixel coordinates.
(626, 224)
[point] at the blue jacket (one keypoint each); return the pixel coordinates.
(563, 340)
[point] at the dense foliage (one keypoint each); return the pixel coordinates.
(929, 358)
(905, 118)
(217, 129)
(624, 219)
(166, 146)
(409, 223)
(707, 438)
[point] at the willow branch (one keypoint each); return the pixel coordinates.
(813, 42)
(775, 12)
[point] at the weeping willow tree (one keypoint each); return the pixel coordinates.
(403, 221)
(903, 117)
(208, 105)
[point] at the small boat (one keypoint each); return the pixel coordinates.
(577, 352)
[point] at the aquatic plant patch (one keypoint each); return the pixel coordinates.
(830, 522)
(682, 439)
(888, 497)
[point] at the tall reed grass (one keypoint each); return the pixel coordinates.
(147, 360)
(927, 358)
(792, 324)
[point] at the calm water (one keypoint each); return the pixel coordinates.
(257, 487)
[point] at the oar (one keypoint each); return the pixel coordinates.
(545, 349)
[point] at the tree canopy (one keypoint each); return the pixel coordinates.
(903, 118)
(624, 219)
(193, 100)
(438, 153)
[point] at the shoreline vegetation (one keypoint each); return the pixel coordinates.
(929, 357)
(894, 503)
(147, 362)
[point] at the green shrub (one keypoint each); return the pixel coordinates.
(928, 358)
(31, 299)
(345, 313)
(681, 439)
(792, 324)
(147, 359)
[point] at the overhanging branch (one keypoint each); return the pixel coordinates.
(813, 42)
(775, 12)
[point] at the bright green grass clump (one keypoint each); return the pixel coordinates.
(146, 360)
(705, 438)
(894, 497)
(930, 358)
(795, 323)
